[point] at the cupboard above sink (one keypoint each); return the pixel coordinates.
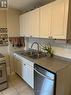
(49, 21)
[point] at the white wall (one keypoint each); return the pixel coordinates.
(3, 18)
(13, 24)
(63, 52)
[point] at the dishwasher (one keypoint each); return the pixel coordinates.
(44, 81)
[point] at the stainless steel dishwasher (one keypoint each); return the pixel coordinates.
(44, 81)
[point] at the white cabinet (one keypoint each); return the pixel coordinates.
(24, 68)
(35, 22)
(45, 20)
(22, 25)
(53, 20)
(58, 18)
(18, 65)
(29, 24)
(29, 72)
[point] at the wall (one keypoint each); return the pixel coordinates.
(3, 18)
(4, 49)
(13, 22)
(9, 18)
(60, 47)
(13, 31)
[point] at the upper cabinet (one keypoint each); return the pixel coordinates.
(58, 24)
(22, 25)
(29, 24)
(49, 21)
(53, 20)
(45, 20)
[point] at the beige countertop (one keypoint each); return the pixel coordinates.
(53, 64)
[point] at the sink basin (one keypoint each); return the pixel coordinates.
(33, 54)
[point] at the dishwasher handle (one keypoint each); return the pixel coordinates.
(52, 79)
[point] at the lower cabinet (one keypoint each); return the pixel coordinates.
(24, 68)
(28, 73)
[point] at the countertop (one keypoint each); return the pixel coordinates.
(54, 64)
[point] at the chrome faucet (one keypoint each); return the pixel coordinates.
(36, 44)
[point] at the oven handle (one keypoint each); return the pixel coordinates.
(44, 75)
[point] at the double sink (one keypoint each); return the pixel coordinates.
(34, 54)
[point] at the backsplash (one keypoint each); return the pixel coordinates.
(59, 46)
(3, 37)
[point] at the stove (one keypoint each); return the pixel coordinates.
(3, 73)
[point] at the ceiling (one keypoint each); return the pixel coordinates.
(20, 4)
(26, 4)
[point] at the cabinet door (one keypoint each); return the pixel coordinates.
(45, 21)
(58, 17)
(35, 22)
(29, 73)
(29, 23)
(19, 66)
(22, 25)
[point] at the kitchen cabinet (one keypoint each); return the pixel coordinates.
(22, 25)
(19, 66)
(53, 20)
(28, 72)
(58, 20)
(24, 68)
(45, 20)
(29, 24)
(49, 21)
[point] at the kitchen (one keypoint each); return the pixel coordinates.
(35, 47)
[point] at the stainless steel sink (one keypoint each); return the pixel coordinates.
(33, 54)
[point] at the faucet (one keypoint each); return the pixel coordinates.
(36, 44)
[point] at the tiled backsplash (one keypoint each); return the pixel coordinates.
(59, 46)
(3, 37)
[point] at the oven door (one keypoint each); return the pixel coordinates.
(3, 77)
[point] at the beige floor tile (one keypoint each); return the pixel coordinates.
(1, 93)
(17, 87)
(9, 91)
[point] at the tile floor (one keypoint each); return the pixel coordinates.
(17, 87)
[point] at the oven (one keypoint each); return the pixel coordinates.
(3, 76)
